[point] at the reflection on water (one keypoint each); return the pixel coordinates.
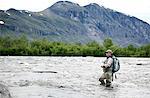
(73, 77)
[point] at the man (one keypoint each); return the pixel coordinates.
(107, 69)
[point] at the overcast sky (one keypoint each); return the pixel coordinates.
(137, 8)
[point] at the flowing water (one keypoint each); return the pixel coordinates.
(72, 77)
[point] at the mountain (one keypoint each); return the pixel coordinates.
(69, 22)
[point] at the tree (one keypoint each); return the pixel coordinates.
(93, 44)
(107, 43)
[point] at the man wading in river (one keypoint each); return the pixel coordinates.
(107, 69)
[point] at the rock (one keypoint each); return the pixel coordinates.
(61, 86)
(139, 64)
(44, 71)
(24, 83)
(4, 92)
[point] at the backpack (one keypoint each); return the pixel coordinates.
(115, 65)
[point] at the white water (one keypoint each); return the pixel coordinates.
(72, 77)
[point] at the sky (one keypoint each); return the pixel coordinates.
(137, 8)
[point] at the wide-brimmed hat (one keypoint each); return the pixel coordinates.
(110, 51)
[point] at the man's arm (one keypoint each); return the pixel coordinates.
(108, 64)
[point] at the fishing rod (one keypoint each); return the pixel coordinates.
(120, 46)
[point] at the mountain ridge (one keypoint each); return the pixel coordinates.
(69, 22)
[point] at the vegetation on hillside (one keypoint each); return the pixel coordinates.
(22, 46)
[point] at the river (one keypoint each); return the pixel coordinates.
(72, 77)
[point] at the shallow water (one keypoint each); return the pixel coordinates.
(72, 77)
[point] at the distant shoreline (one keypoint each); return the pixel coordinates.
(23, 47)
